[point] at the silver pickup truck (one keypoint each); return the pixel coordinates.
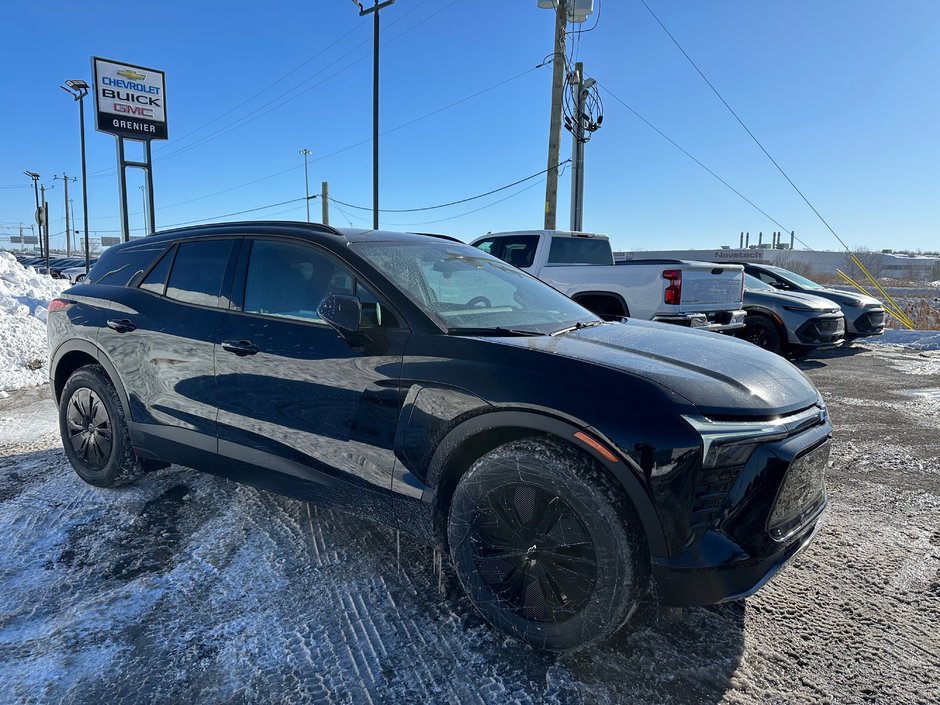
(581, 265)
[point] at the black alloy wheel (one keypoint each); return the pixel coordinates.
(534, 553)
(89, 427)
(546, 545)
(762, 332)
(94, 430)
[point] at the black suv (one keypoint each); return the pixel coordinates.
(567, 464)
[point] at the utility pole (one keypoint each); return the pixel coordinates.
(74, 223)
(554, 130)
(44, 225)
(577, 149)
(374, 10)
(68, 226)
(325, 201)
(306, 152)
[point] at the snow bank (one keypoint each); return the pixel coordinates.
(24, 298)
(914, 339)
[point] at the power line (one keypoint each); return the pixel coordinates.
(453, 203)
(273, 105)
(347, 147)
(475, 210)
(746, 128)
(694, 159)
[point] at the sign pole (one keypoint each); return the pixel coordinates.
(130, 103)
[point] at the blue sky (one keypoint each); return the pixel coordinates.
(843, 94)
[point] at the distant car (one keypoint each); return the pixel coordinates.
(564, 462)
(789, 322)
(864, 315)
(76, 274)
(55, 264)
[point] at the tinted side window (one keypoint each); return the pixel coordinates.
(156, 279)
(198, 271)
(290, 280)
(118, 266)
(579, 250)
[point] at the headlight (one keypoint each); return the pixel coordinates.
(732, 442)
(799, 307)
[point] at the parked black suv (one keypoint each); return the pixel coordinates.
(567, 464)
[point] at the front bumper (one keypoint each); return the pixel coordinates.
(822, 330)
(691, 587)
(715, 321)
(870, 322)
(732, 550)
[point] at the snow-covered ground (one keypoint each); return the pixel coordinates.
(913, 339)
(24, 297)
(185, 587)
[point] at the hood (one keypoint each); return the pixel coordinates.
(775, 298)
(716, 374)
(848, 298)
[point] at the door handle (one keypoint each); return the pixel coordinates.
(122, 326)
(240, 347)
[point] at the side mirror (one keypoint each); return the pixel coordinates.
(342, 312)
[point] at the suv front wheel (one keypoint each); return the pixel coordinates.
(545, 545)
(94, 429)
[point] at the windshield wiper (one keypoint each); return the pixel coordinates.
(497, 330)
(578, 326)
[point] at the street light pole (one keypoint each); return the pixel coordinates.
(374, 10)
(306, 152)
(35, 177)
(78, 89)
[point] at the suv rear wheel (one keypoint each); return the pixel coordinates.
(94, 429)
(544, 547)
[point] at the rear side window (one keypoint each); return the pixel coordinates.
(155, 281)
(118, 267)
(579, 250)
(198, 271)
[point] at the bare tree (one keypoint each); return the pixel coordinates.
(871, 260)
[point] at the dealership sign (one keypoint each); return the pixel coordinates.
(130, 100)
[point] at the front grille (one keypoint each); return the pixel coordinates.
(870, 322)
(822, 330)
(801, 495)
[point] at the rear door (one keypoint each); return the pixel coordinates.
(300, 409)
(161, 335)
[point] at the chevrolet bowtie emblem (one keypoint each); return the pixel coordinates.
(132, 75)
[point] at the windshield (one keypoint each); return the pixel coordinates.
(795, 278)
(755, 284)
(466, 290)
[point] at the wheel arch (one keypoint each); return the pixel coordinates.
(605, 296)
(75, 354)
(767, 313)
(473, 438)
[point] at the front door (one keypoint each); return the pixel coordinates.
(301, 410)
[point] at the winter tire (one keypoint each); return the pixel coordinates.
(546, 546)
(94, 429)
(763, 332)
